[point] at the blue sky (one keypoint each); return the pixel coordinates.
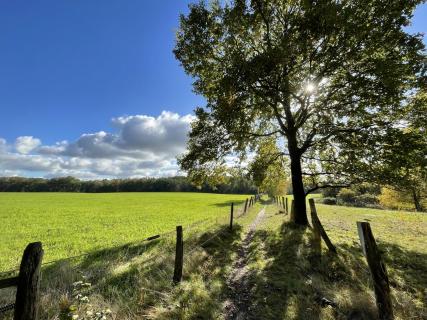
(68, 67)
(89, 72)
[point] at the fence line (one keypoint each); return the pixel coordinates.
(27, 294)
(150, 238)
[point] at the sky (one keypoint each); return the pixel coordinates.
(92, 88)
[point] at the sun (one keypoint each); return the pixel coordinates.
(310, 88)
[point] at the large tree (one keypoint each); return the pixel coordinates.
(318, 76)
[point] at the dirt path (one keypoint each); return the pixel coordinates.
(238, 304)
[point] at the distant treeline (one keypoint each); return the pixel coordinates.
(238, 185)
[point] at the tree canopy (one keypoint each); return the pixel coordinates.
(325, 79)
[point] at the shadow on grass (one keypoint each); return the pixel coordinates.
(207, 271)
(348, 272)
(228, 203)
(280, 286)
(136, 279)
(407, 269)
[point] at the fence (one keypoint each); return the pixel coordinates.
(27, 282)
(376, 265)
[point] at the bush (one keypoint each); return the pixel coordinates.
(346, 196)
(329, 201)
(350, 197)
(392, 199)
(367, 200)
(330, 192)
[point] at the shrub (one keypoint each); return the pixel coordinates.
(367, 200)
(393, 199)
(346, 196)
(366, 187)
(330, 192)
(330, 201)
(351, 197)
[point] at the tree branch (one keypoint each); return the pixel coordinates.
(317, 187)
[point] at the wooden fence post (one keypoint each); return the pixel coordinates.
(286, 205)
(27, 293)
(179, 256)
(317, 245)
(283, 203)
(378, 271)
(292, 215)
(231, 216)
(246, 205)
(315, 220)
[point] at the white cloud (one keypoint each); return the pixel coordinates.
(141, 146)
(25, 144)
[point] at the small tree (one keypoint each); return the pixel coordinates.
(325, 79)
(268, 169)
(402, 164)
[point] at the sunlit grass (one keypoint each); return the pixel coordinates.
(72, 223)
(286, 281)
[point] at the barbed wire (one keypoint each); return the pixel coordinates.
(151, 238)
(7, 307)
(8, 273)
(199, 245)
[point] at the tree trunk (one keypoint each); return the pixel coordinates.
(297, 184)
(417, 202)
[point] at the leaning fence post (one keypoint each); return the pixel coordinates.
(231, 216)
(317, 245)
(315, 219)
(179, 256)
(27, 293)
(378, 271)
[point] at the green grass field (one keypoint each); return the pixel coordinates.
(134, 280)
(72, 223)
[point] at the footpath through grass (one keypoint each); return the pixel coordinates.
(73, 223)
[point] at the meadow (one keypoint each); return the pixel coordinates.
(73, 223)
(134, 279)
